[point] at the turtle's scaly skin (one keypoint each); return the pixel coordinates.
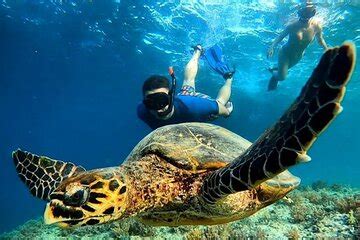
(194, 173)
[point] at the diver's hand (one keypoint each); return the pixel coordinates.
(270, 52)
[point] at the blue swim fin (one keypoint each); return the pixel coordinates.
(215, 59)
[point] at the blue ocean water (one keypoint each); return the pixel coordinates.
(71, 74)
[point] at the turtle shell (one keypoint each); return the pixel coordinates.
(192, 146)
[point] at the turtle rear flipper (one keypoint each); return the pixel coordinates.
(42, 174)
(286, 143)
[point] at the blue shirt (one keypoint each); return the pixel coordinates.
(186, 109)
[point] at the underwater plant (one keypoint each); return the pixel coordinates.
(319, 185)
(300, 212)
(347, 204)
(293, 234)
(351, 218)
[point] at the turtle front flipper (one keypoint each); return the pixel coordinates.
(286, 143)
(42, 174)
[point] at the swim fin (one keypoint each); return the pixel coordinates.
(215, 59)
(273, 83)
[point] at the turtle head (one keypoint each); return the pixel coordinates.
(89, 198)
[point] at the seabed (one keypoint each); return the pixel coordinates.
(318, 211)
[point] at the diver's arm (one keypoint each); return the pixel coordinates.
(277, 40)
(320, 38)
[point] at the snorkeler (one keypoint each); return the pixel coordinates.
(160, 105)
(301, 34)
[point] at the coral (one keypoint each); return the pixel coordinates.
(357, 214)
(313, 197)
(300, 212)
(307, 214)
(344, 205)
(319, 185)
(351, 218)
(194, 234)
(261, 234)
(293, 234)
(214, 232)
(27, 231)
(139, 229)
(210, 232)
(336, 187)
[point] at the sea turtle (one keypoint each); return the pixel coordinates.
(194, 173)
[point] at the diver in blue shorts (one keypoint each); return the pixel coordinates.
(161, 106)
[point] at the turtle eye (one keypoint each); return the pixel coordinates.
(77, 198)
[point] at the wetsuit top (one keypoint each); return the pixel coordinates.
(187, 108)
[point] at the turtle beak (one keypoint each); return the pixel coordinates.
(62, 215)
(49, 217)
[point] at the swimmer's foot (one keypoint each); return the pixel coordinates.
(198, 47)
(229, 106)
(272, 69)
(228, 75)
(272, 84)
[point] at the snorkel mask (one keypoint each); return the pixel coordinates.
(306, 13)
(158, 101)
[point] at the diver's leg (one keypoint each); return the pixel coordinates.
(293, 60)
(191, 69)
(224, 111)
(287, 61)
(225, 92)
(225, 107)
(281, 72)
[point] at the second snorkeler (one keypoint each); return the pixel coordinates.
(301, 33)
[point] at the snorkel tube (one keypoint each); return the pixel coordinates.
(171, 94)
(173, 84)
